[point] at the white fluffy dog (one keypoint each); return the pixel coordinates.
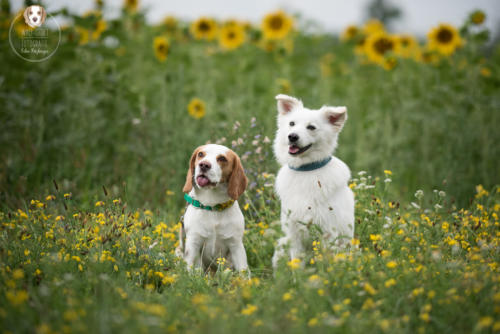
(312, 184)
(213, 222)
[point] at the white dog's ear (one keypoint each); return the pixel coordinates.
(287, 103)
(336, 116)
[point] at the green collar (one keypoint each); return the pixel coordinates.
(217, 207)
(311, 166)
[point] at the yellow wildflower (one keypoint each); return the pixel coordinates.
(249, 309)
(294, 263)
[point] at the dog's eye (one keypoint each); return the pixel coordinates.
(200, 154)
(38, 13)
(292, 123)
(221, 159)
(311, 127)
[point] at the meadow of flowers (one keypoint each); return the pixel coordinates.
(95, 142)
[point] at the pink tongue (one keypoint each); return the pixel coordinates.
(293, 149)
(202, 180)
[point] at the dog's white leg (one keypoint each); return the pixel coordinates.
(297, 246)
(238, 254)
(280, 251)
(192, 252)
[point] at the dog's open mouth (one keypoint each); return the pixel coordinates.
(296, 150)
(203, 181)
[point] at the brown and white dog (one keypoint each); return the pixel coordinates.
(213, 222)
(34, 16)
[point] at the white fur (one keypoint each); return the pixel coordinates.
(320, 196)
(34, 15)
(213, 234)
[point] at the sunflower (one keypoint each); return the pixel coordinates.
(100, 27)
(131, 5)
(373, 26)
(378, 46)
(93, 13)
(360, 45)
(267, 44)
(406, 46)
(389, 63)
(83, 34)
(477, 17)
(350, 33)
(204, 28)
(246, 25)
(276, 25)
(284, 86)
(427, 56)
(230, 22)
(196, 108)
(231, 36)
(161, 47)
(170, 23)
(444, 39)
(485, 72)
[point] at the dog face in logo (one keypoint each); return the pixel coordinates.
(34, 16)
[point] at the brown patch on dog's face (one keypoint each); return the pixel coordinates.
(226, 162)
(197, 155)
(238, 181)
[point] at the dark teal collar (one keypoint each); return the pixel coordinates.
(217, 207)
(312, 165)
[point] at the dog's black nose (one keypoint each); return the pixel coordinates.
(204, 166)
(293, 137)
(34, 19)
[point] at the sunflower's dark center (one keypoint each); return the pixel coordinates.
(276, 23)
(478, 18)
(444, 35)
(383, 45)
(231, 35)
(161, 47)
(204, 26)
(405, 42)
(197, 107)
(352, 31)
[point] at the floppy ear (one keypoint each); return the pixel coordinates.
(25, 14)
(237, 181)
(336, 116)
(189, 177)
(287, 103)
(44, 15)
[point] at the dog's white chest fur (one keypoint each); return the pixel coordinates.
(320, 196)
(214, 229)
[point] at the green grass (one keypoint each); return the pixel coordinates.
(71, 118)
(93, 117)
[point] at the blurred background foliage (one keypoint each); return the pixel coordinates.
(123, 103)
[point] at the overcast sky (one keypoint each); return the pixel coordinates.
(331, 15)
